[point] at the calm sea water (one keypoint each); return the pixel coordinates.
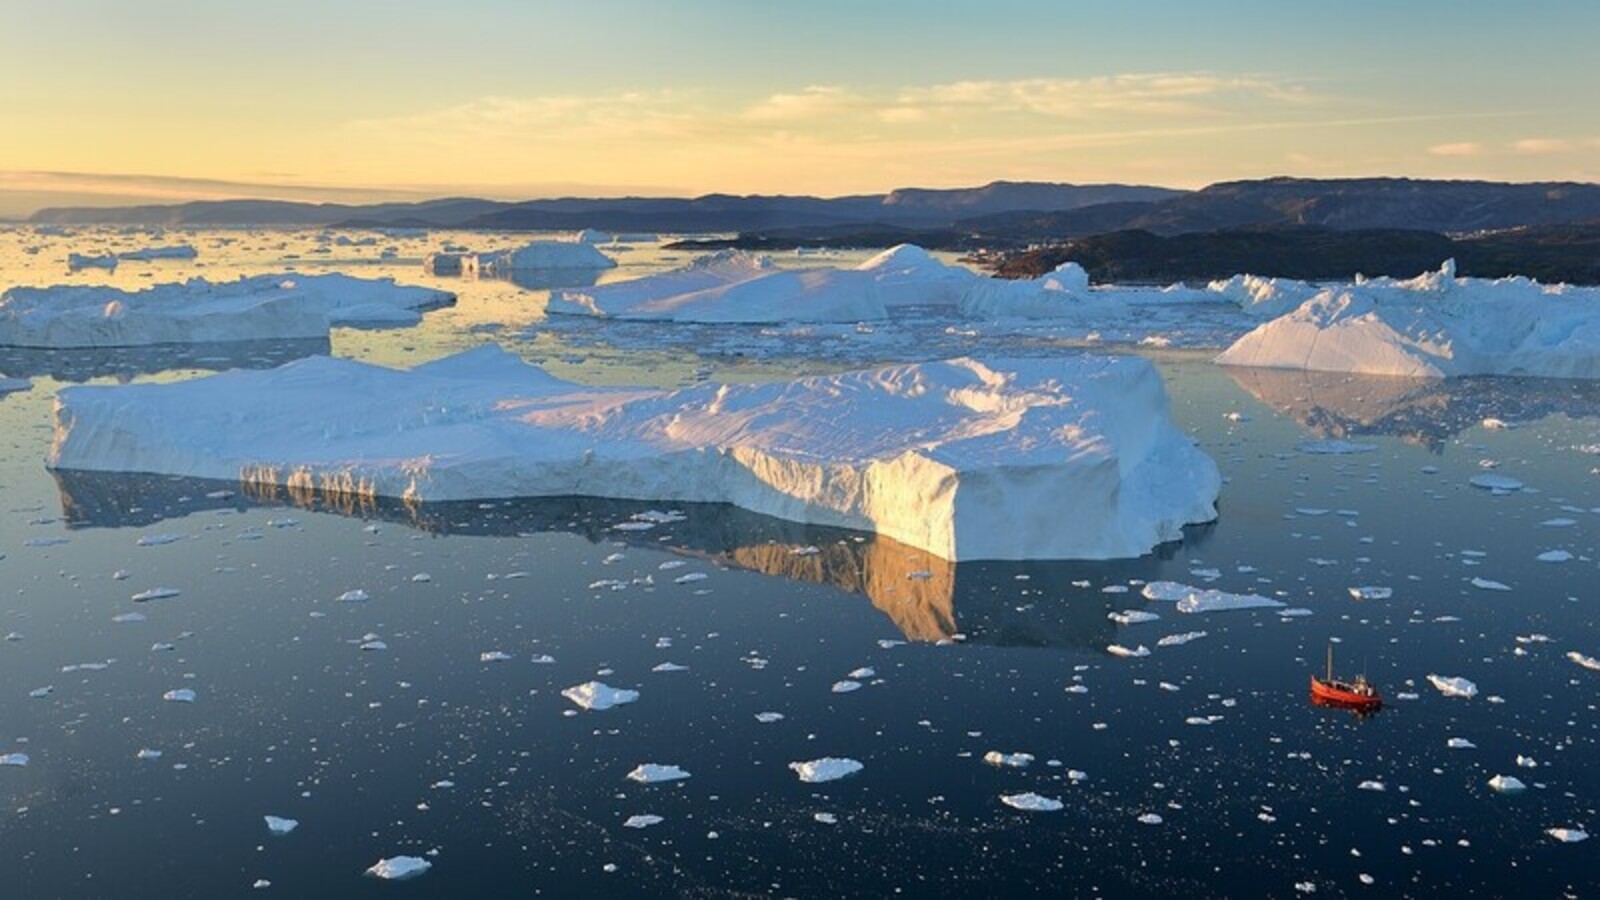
(423, 748)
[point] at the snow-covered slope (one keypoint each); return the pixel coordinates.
(265, 307)
(1070, 457)
(1435, 325)
(907, 275)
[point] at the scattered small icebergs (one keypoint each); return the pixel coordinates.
(1031, 802)
(399, 868)
(1454, 687)
(280, 826)
(597, 695)
(827, 768)
(655, 773)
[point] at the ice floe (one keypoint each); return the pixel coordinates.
(263, 307)
(1204, 600)
(1568, 835)
(655, 773)
(542, 255)
(1454, 687)
(399, 868)
(281, 826)
(827, 768)
(597, 695)
(1434, 325)
(964, 458)
(1031, 802)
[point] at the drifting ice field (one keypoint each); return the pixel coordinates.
(399, 679)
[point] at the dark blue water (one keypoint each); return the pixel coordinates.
(293, 719)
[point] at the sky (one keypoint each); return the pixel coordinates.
(106, 101)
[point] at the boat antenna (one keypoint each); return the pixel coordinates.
(1330, 659)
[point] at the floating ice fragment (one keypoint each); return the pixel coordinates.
(1012, 760)
(1588, 662)
(1555, 556)
(1132, 616)
(1150, 819)
(493, 656)
(1371, 593)
(596, 695)
(1173, 640)
(280, 826)
(1486, 584)
(644, 821)
(827, 768)
(160, 593)
(1491, 482)
(1454, 687)
(1507, 784)
(1568, 835)
(13, 759)
(180, 695)
(399, 868)
(1119, 650)
(654, 773)
(354, 596)
(767, 718)
(846, 686)
(1031, 802)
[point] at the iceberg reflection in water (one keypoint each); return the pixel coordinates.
(926, 597)
(1426, 412)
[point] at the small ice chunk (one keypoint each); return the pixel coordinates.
(654, 773)
(356, 596)
(1031, 802)
(1492, 482)
(1454, 687)
(180, 695)
(1150, 819)
(767, 718)
(13, 759)
(1460, 744)
(1132, 616)
(644, 821)
(1507, 784)
(1568, 835)
(1371, 593)
(279, 826)
(399, 868)
(1486, 584)
(494, 656)
(160, 593)
(1012, 760)
(596, 695)
(1119, 650)
(1588, 662)
(827, 768)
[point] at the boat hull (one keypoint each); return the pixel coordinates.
(1327, 694)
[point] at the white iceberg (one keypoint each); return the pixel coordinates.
(597, 695)
(827, 768)
(1454, 687)
(731, 287)
(1060, 292)
(1568, 835)
(263, 307)
(963, 458)
(280, 826)
(399, 868)
(1031, 802)
(541, 255)
(655, 773)
(13, 759)
(1204, 600)
(1507, 784)
(1264, 298)
(1434, 326)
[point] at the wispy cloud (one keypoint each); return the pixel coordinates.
(1459, 148)
(816, 101)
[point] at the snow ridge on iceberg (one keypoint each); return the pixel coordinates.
(1072, 457)
(263, 307)
(1434, 326)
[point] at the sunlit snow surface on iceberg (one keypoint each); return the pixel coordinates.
(488, 773)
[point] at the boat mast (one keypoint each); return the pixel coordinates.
(1330, 660)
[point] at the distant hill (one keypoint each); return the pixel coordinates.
(1550, 253)
(908, 207)
(1443, 206)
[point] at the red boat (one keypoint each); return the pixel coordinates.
(1359, 694)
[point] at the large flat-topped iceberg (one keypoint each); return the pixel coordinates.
(1435, 325)
(1071, 457)
(541, 255)
(734, 286)
(264, 307)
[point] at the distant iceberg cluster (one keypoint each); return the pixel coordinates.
(264, 307)
(964, 458)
